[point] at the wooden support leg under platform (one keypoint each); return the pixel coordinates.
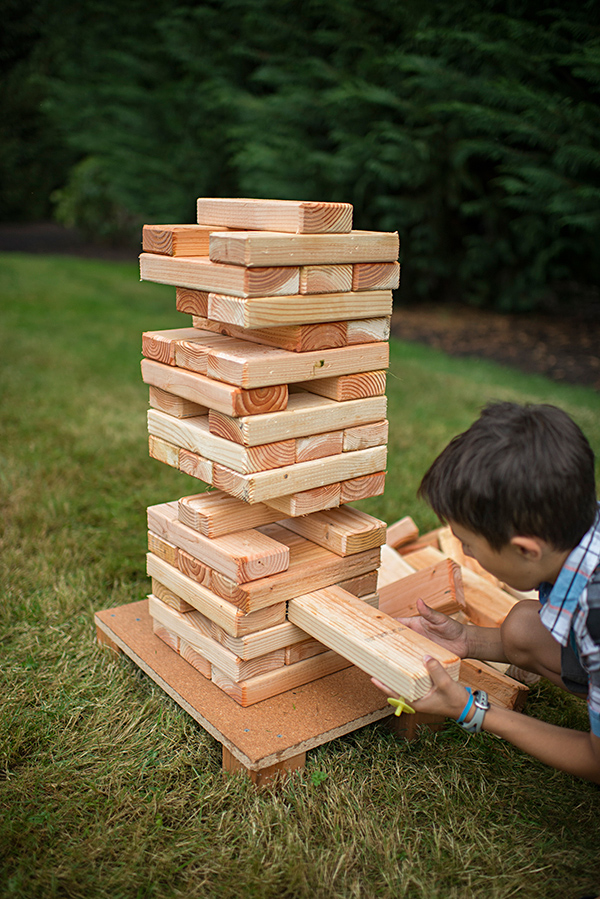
(104, 640)
(264, 776)
(406, 726)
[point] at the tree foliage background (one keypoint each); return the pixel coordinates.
(470, 126)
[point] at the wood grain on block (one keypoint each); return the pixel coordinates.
(317, 446)
(371, 640)
(307, 501)
(196, 466)
(193, 354)
(251, 646)
(265, 485)
(217, 654)
(193, 434)
(171, 640)
(216, 513)
(344, 530)
(217, 395)
(295, 216)
(325, 278)
(265, 686)
(503, 691)
(305, 650)
(402, 531)
(355, 489)
(275, 248)
(224, 613)
(311, 566)
(306, 414)
(193, 568)
(392, 568)
(243, 556)
(439, 586)
(163, 450)
(296, 338)
(160, 345)
(194, 658)
(169, 598)
(364, 436)
(486, 604)
(376, 276)
(175, 240)
(194, 302)
(199, 273)
(348, 387)
(368, 330)
(297, 309)
(253, 365)
(163, 549)
(174, 405)
(361, 585)
(430, 538)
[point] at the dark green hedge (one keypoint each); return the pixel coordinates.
(472, 128)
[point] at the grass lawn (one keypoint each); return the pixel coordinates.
(107, 788)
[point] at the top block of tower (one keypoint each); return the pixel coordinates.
(293, 216)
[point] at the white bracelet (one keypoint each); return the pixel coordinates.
(482, 704)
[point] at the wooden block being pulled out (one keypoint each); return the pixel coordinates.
(371, 640)
(176, 240)
(294, 216)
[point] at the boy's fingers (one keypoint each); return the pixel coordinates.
(436, 672)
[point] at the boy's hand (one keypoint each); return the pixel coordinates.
(436, 626)
(446, 697)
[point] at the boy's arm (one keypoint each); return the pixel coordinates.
(572, 751)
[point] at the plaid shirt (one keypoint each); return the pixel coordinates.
(571, 612)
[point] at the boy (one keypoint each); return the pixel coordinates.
(517, 489)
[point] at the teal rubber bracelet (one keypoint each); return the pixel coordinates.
(467, 708)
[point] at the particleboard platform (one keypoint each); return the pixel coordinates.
(267, 737)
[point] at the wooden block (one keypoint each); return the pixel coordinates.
(305, 650)
(368, 330)
(362, 585)
(297, 309)
(253, 365)
(199, 273)
(249, 248)
(174, 405)
(295, 338)
(219, 610)
(211, 650)
(306, 414)
(311, 566)
(375, 642)
(348, 387)
(103, 639)
(160, 345)
(251, 646)
(171, 640)
(344, 530)
(376, 276)
(193, 434)
(439, 586)
(192, 568)
(169, 598)
(216, 513)
(364, 436)
(216, 395)
(194, 658)
(295, 216)
(175, 240)
(163, 451)
(163, 549)
(359, 488)
(317, 446)
(266, 485)
(486, 604)
(431, 538)
(193, 354)
(194, 302)
(307, 501)
(196, 466)
(392, 568)
(401, 532)
(271, 684)
(326, 279)
(244, 556)
(503, 691)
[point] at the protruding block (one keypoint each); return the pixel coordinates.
(294, 216)
(259, 248)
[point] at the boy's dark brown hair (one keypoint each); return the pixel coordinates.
(518, 470)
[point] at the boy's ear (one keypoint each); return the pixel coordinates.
(531, 548)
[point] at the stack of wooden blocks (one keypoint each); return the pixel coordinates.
(275, 398)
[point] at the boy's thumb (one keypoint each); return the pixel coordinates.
(436, 671)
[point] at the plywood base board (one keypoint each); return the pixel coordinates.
(261, 736)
